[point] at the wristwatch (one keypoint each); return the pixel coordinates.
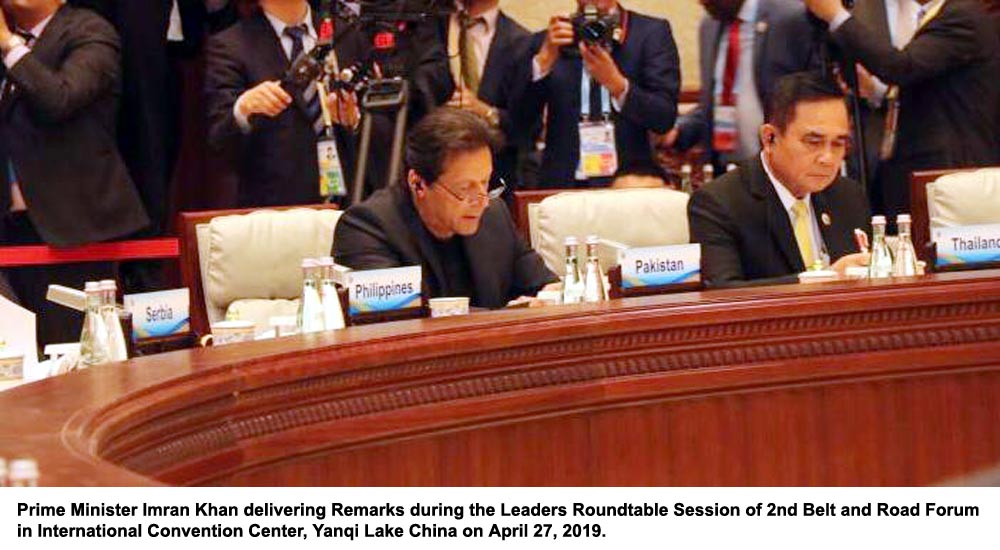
(12, 42)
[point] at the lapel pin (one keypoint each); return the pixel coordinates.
(826, 219)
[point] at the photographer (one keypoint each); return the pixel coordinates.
(270, 130)
(946, 89)
(604, 93)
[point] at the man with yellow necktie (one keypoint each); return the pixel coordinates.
(787, 210)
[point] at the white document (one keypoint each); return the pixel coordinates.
(17, 329)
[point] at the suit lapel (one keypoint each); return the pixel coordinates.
(419, 236)
(778, 225)
(490, 82)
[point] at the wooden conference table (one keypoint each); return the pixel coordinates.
(850, 383)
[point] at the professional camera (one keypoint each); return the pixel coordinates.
(593, 28)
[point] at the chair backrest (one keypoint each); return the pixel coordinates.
(949, 198)
(634, 217)
(249, 259)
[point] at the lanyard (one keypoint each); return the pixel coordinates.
(585, 98)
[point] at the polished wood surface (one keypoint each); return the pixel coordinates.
(850, 383)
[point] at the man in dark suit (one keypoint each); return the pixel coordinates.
(745, 46)
(483, 46)
(946, 78)
(62, 181)
(270, 132)
(635, 87)
(445, 219)
(786, 210)
(156, 36)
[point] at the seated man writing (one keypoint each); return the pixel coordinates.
(779, 213)
(445, 219)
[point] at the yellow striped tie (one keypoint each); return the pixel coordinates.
(803, 233)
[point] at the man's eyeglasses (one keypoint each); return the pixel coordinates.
(473, 197)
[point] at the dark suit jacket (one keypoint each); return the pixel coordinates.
(745, 233)
(149, 128)
(276, 161)
(386, 231)
(496, 87)
(872, 14)
(58, 129)
(648, 58)
(784, 43)
(948, 85)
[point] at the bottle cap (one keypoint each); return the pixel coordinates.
(308, 263)
(686, 168)
(571, 241)
(593, 239)
(92, 286)
(23, 469)
(876, 220)
(902, 218)
(325, 261)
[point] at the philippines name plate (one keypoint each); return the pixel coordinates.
(660, 265)
(970, 244)
(384, 289)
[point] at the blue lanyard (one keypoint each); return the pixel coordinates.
(585, 98)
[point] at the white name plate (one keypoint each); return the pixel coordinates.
(660, 265)
(970, 244)
(160, 313)
(384, 289)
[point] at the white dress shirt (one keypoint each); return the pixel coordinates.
(749, 112)
(175, 31)
(308, 43)
(788, 202)
(482, 36)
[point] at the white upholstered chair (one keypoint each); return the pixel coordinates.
(634, 217)
(248, 262)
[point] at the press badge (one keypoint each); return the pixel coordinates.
(598, 151)
(331, 173)
(724, 128)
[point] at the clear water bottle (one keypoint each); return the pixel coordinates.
(117, 347)
(707, 173)
(94, 345)
(880, 265)
(594, 289)
(572, 279)
(333, 313)
(686, 185)
(905, 264)
(310, 317)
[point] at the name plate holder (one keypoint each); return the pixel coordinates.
(357, 316)
(626, 282)
(965, 248)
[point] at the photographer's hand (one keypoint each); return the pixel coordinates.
(826, 10)
(5, 33)
(602, 67)
(560, 34)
